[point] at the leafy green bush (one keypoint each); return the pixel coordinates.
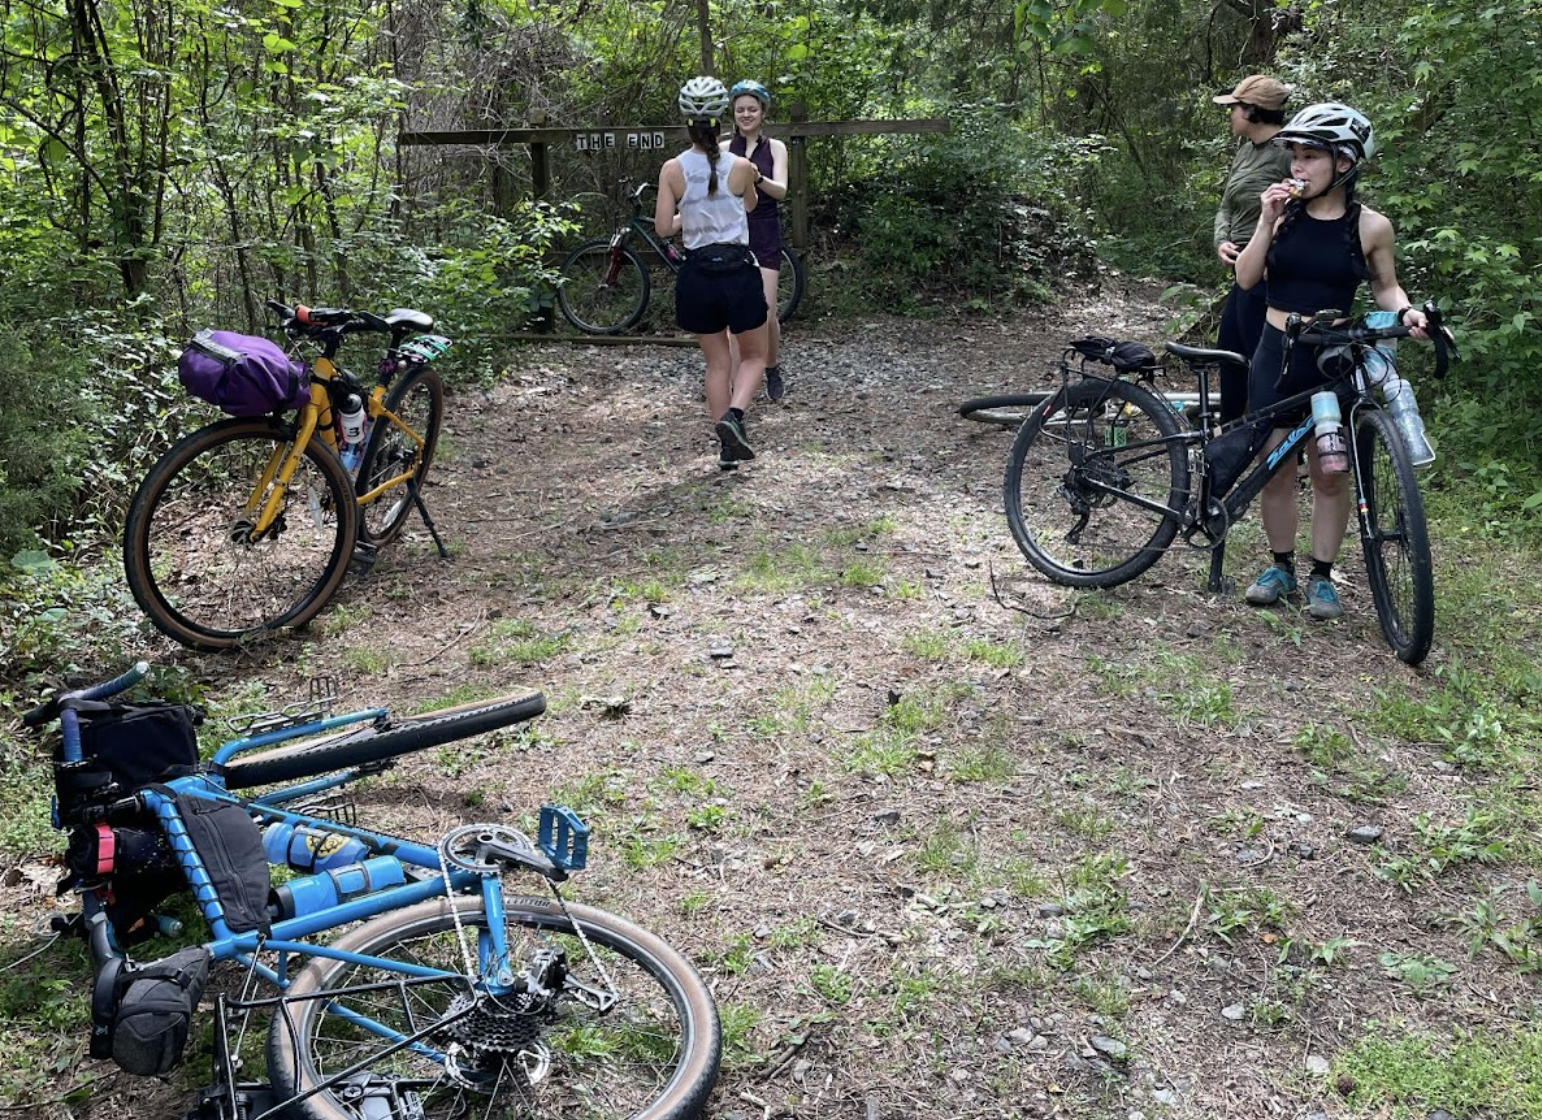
(970, 213)
(485, 277)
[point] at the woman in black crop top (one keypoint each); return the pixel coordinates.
(1315, 244)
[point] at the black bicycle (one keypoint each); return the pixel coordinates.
(606, 286)
(1103, 475)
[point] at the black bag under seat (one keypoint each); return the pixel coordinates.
(1126, 357)
(124, 748)
(229, 844)
(142, 1014)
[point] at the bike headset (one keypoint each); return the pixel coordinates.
(1333, 127)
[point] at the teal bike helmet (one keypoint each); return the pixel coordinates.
(754, 89)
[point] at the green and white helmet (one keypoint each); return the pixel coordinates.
(703, 98)
(1331, 125)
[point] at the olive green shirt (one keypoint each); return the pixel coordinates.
(1253, 168)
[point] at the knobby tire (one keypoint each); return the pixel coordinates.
(591, 305)
(188, 564)
(419, 401)
(789, 285)
(1395, 537)
(1105, 432)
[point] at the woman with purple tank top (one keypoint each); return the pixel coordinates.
(751, 100)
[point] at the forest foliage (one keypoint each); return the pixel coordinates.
(168, 164)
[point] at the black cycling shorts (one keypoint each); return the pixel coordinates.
(720, 288)
(1266, 386)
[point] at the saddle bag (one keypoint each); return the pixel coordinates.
(142, 1014)
(245, 375)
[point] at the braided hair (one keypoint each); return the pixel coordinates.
(703, 133)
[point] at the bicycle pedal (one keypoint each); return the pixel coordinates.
(363, 558)
(563, 837)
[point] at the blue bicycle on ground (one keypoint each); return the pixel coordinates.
(399, 980)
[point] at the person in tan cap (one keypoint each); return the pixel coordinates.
(1257, 113)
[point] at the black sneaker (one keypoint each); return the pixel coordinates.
(775, 389)
(726, 460)
(730, 432)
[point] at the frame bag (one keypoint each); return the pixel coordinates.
(245, 375)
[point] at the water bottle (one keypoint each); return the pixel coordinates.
(351, 419)
(1328, 428)
(310, 893)
(306, 848)
(1410, 425)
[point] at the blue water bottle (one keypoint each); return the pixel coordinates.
(305, 848)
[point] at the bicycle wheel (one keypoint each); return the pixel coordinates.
(399, 736)
(189, 552)
(1006, 410)
(789, 285)
(1079, 467)
(390, 451)
(603, 292)
(654, 1055)
(1396, 539)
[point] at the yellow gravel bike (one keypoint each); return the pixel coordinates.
(247, 526)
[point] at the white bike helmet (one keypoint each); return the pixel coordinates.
(703, 98)
(1331, 125)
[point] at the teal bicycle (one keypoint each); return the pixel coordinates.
(399, 980)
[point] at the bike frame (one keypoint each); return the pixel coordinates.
(496, 973)
(314, 420)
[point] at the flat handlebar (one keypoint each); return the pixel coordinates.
(49, 709)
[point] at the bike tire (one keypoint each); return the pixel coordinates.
(1005, 410)
(592, 301)
(399, 736)
(1083, 434)
(1395, 536)
(789, 285)
(187, 568)
(664, 1006)
(419, 401)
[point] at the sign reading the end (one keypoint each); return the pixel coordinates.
(636, 141)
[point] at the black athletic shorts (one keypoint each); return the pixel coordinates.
(720, 287)
(1266, 386)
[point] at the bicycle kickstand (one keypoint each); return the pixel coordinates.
(1218, 582)
(417, 500)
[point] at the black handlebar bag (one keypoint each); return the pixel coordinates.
(124, 748)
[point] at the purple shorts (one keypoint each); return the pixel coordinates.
(766, 240)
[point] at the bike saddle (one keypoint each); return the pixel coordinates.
(1200, 354)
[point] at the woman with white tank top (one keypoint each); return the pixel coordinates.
(705, 195)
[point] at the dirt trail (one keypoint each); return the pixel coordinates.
(939, 856)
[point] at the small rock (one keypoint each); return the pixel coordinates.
(887, 816)
(1164, 1096)
(702, 757)
(1365, 834)
(1110, 1048)
(1234, 1012)
(800, 1069)
(1021, 1035)
(846, 918)
(1317, 1065)
(1198, 628)
(1049, 910)
(1177, 997)
(721, 651)
(1301, 850)
(1441, 1114)
(1252, 784)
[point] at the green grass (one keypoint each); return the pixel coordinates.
(516, 642)
(998, 655)
(789, 569)
(983, 764)
(1468, 1073)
